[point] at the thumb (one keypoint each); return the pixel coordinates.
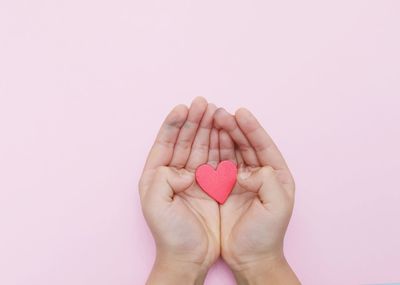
(264, 182)
(168, 181)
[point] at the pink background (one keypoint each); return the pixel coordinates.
(84, 86)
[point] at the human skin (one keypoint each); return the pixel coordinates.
(183, 219)
(255, 217)
(189, 228)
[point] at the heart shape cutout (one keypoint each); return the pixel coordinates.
(217, 183)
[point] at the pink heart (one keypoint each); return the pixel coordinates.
(218, 184)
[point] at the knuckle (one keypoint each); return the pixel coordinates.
(165, 143)
(244, 147)
(179, 164)
(184, 144)
(200, 146)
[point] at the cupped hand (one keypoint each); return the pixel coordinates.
(184, 220)
(255, 216)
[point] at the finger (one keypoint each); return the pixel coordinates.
(166, 182)
(266, 150)
(188, 132)
(227, 122)
(264, 181)
(162, 151)
(213, 154)
(239, 158)
(226, 146)
(201, 143)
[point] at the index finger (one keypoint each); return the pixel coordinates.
(266, 150)
(163, 148)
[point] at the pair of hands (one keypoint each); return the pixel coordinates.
(190, 229)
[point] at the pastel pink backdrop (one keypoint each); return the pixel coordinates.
(85, 85)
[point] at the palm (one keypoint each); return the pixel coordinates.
(239, 216)
(184, 220)
(247, 225)
(196, 215)
(256, 214)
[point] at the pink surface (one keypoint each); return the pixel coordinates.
(84, 86)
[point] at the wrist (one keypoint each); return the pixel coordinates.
(167, 271)
(274, 270)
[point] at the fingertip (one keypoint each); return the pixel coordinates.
(242, 110)
(212, 107)
(208, 117)
(243, 175)
(243, 179)
(178, 115)
(219, 115)
(221, 110)
(242, 113)
(224, 120)
(245, 119)
(181, 108)
(197, 109)
(199, 101)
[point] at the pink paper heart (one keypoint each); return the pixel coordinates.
(218, 184)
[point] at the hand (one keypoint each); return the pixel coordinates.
(255, 216)
(182, 218)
